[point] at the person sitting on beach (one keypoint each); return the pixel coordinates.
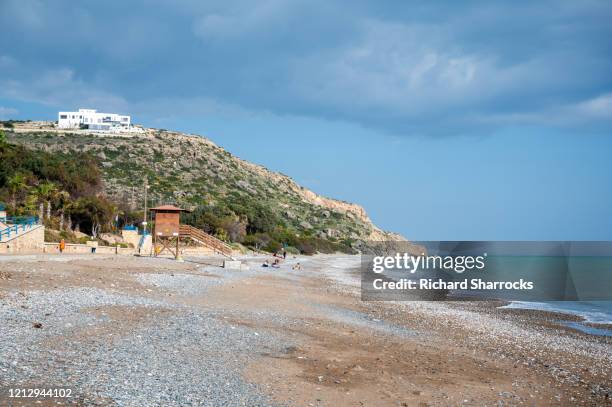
(297, 266)
(276, 263)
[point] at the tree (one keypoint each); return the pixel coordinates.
(17, 186)
(92, 214)
(235, 228)
(260, 217)
(46, 192)
(29, 178)
(63, 200)
(257, 241)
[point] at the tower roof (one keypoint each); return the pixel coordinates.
(168, 208)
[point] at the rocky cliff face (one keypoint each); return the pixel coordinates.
(190, 170)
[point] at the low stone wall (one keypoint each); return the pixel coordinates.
(83, 248)
(196, 251)
(131, 236)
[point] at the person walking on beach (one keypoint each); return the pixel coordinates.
(62, 246)
(284, 254)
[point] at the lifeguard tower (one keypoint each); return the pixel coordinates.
(166, 233)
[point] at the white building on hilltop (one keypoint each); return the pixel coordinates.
(93, 120)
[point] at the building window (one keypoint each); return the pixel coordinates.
(63, 116)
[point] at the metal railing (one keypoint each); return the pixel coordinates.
(19, 219)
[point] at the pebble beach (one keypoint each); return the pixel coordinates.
(129, 331)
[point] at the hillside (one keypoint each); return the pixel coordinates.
(191, 171)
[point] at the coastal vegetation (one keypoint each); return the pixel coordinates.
(64, 190)
(256, 226)
(93, 185)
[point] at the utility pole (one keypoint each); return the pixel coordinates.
(144, 222)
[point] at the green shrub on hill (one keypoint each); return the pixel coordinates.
(230, 198)
(66, 185)
(78, 174)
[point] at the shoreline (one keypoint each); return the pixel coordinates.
(562, 316)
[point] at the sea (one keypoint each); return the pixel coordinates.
(594, 313)
(588, 279)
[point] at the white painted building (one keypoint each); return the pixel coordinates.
(93, 120)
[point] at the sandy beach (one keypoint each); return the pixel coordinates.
(131, 331)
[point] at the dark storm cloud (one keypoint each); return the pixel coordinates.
(406, 67)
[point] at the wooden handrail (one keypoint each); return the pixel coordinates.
(205, 239)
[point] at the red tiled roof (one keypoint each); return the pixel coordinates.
(168, 208)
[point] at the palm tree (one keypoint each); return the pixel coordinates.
(17, 185)
(63, 200)
(46, 192)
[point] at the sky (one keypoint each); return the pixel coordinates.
(445, 120)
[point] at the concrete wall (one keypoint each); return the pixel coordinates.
(131, 236)
(71, 248)
(196, 251)
(147, 246)
(32, 241)
(3, 217)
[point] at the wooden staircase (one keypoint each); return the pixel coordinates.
(206, 240)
